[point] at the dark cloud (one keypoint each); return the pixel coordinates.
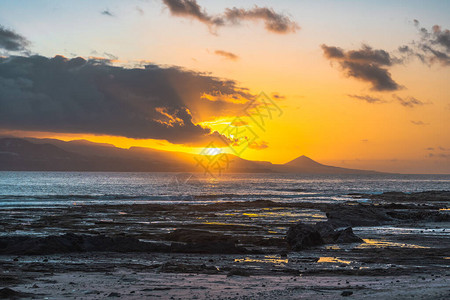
(106, 12)
(277, 96)
(367, 98)
(273, 21)
(91, 96)
(408, 101)
(366, 64)
(227, 55)
(419, 123)
(191, 9)
(433, 46)
(11, 41)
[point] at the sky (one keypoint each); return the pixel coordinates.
(356, 84)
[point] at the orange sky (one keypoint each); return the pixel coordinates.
(320, 118)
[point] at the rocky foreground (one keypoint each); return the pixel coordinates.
(391, 245)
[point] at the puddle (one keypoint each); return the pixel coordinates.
(268, 259)
(325, 259)
(372, 243)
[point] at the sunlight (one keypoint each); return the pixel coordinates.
(212, 151)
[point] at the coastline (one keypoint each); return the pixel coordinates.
(230, 244)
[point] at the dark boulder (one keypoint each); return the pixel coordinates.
(332, 236)
(346, 236)
(302, 236)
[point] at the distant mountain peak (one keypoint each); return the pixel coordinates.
(303, 161)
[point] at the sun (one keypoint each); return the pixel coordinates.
(213, 151)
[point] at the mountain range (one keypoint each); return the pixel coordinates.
(31, 154)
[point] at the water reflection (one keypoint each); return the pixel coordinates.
(326, 259)
(372, 243)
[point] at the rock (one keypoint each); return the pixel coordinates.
(347, 236)
(427, 196)
(7, 293)
(302, 236)
(358, 215)
(210, 248)
(326, 231)
(238, 272)
(198, 236)
(27, 245)
(201, 241)
(114, 294)
(346, 293)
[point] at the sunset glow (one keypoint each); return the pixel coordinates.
(311, 66)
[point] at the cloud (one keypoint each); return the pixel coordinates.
(419, 123)
(366, 64)
(227, 55)
(277, 96)
(258, 146)
(11, 41)
(432, 47)
(408, 101)
(239, 122)
(92, 96)
(273, 21)
(367, 98)
(106, 12)
(140, 10)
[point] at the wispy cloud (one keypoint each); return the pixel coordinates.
(107, 12)
(420, 123)
(258, 146)
(367, 98)
(408, 101)
(273, 21)
(432, 47)
(227, 55)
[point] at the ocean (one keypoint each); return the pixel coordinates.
(56, 189)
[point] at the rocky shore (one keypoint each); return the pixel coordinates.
(381, 246)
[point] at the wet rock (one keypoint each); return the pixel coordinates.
(346, 293)
(7, 293)
(26, 245)
(201, 241)
(302, 236)
(429, 216)
(198, 236)
(427, 196)
(208, 248)
(238, 272)
(173, 267)
(347, 236)
(358, 215)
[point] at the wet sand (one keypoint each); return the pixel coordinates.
(230, 250)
